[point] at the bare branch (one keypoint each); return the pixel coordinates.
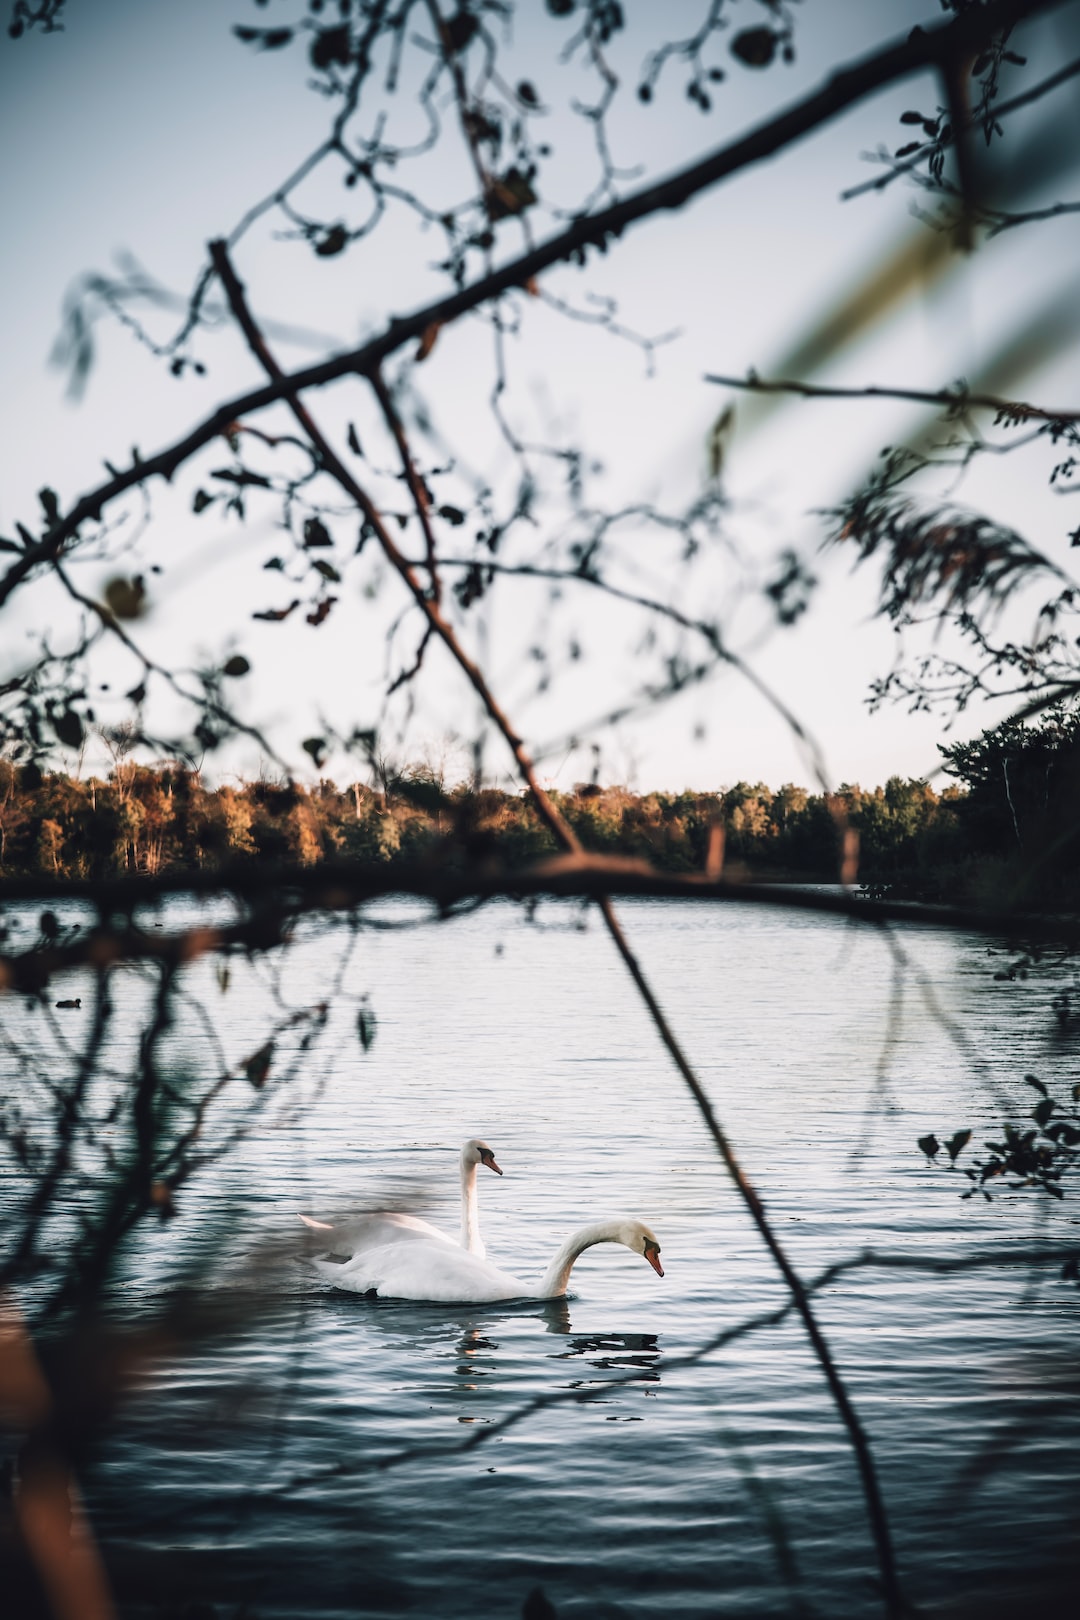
(953, 400)
(416, 485)
(342, 886)
(924, 48)
(1002, 110)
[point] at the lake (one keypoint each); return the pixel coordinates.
(655, 1482)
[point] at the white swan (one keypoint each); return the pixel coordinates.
(439, 1272)
(354, 1237)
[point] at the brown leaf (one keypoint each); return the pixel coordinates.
(333, 241)
(510, 194)
(427, 342)
(458, 30)
(320, 612)
(257, 1066)
(719, 438)
(316, 534)
(126, 598)
(330, 46)
(755, 46)
(162, 1200)
(275, 615)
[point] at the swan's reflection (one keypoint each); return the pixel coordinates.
(471, 1346)
(607, 1352)
(491, 1353)
(618, 1353)
(555, 1315)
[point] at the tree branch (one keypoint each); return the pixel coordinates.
(344, 885)
(924, 48)
(417, 488)
(1024, 99)
(953, 399)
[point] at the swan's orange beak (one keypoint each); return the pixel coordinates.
(489, 1160)
(653, 1258)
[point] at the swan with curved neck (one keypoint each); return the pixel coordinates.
(352, 1238)
(440, 1273)
(473, 1154)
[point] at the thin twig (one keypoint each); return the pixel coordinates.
(953, 399)
(416, 485)
(1025, 99)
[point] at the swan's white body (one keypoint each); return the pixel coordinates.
(366, 1232)
(424, 1269)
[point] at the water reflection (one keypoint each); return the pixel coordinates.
(616, 1353)
(621, 1436)
(555, 1314)
(470, 1348)
(482, 1362)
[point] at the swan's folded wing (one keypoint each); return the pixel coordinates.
(420, 1270)
(359, 1232)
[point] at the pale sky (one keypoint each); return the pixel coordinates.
(146, 128)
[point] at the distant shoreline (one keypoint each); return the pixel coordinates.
(154, 820)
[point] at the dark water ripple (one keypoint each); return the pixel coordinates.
(254, 1472)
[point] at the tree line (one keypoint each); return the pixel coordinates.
(152, 819)
(1004, 818)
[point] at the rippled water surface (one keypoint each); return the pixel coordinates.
(654, 1485)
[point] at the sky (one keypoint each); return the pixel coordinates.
(145, 128)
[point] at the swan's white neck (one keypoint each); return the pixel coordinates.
(557, 1275)
(471, 1240)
